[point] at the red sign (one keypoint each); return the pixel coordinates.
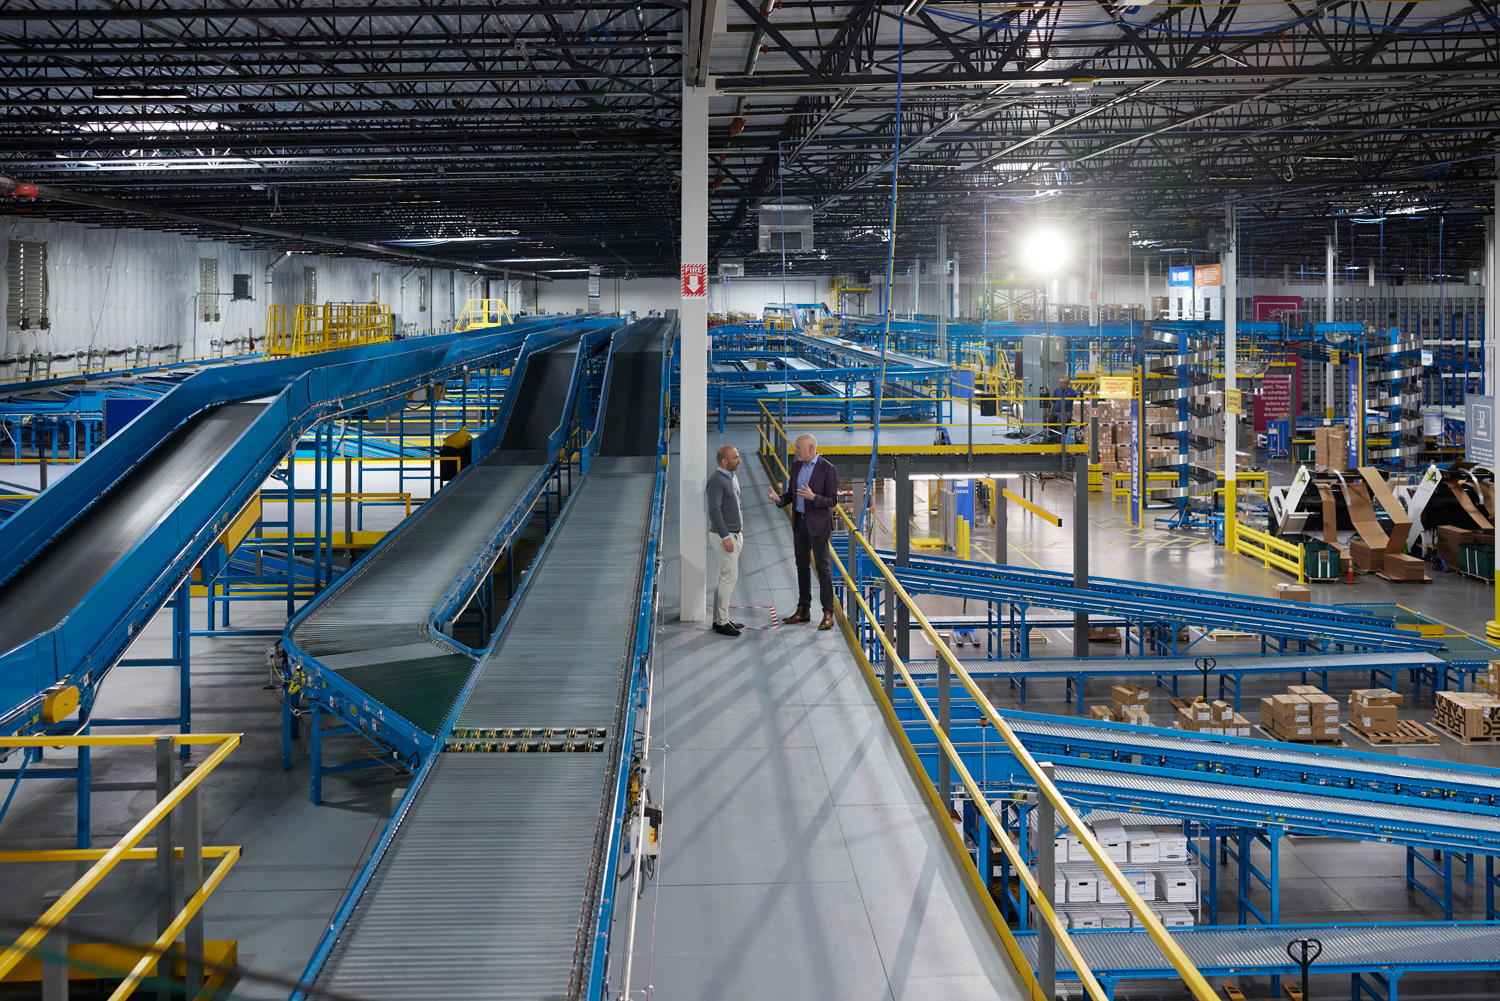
(1283, 308)
(694, 281)
(1276, 391)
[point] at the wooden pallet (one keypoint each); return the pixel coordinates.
(1229, 634)
(1466, 740)
(1324, 742)
(1407, 732)
(1397, 580)
(1475, 576)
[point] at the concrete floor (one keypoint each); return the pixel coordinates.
(299, 859)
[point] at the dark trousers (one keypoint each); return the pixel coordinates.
(816, 547)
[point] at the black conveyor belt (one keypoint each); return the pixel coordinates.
(486, 889)
(43, 591)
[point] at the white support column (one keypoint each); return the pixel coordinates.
(692, 466)
(943, 304)
(1328, 263)
(1491, 294)
(1231, 420)
(957, 309)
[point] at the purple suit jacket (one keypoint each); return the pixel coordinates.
(824, 484)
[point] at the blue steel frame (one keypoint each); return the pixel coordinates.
(1365, 978)
(86, 644)
(360, 714)
(601, 920)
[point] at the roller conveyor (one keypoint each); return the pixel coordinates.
(49, 586)
(374, 629)
(1262, 950)
(1048, 735)
(486, 883)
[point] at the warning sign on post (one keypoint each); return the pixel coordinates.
(694, 281)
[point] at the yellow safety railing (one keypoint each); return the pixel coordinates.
(31, 941)
(482, 313)
(1147, 918)
(303, 330)
(1273, 552)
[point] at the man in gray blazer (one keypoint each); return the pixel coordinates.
(725, 534)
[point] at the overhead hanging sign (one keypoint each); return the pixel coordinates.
(694, 281)
(1208, 275)
(1117, 387)
(1180, 277)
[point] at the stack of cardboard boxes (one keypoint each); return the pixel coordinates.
(1214, 717)
(1450, 538)
(1372, 711)
(1331, 447)
(1130, 702)
(1495, 677)
(1154, 859)
(1401, 567)
(1472, 716)
(1304, 713)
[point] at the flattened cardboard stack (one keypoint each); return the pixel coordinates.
(1367, 558)
(1394, 564)
(1449, 539)
(1372, 711)
(1303, 714)
(1470, 716)
(1495, 677)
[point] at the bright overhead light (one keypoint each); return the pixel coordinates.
(913, 7)
(525, 260)
(560, 271)
(1046, 251)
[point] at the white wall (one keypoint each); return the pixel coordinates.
(123, 289)
(642, 295)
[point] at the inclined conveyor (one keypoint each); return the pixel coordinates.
(494, 879)
(372, 648)
(88, 563)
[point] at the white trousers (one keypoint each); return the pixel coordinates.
(729, 574)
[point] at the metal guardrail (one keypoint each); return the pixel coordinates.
(1273, 552)
(482, 313)
(1191, 977)
(171, 795)
(303, 330)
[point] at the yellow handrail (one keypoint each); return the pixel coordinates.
(1158, 932)
(303, 330)
(1148, 919)
(1273, 552)
(482, 313)
(125, 848)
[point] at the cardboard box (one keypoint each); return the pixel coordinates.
(1239, 726)
(1331, 447)
(1303, 690)
(1101, 713)
(1171, 844)
(1220, 712)
(1449, 539)
(1130, 695)
(1468, 715)
(1111, 837)
(1084, 919)
(1144, 884)
(1083, 887)
(1176, 917)
(1293, 592)
(1373, 719)
(1118, 918)
(1375, 697)
(1144, 846)
(1108, 892)
(1177, 886)
(1136, 717)
(1495, 677)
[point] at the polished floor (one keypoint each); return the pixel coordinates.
(797, 862)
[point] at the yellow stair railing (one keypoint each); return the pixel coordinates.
(30, 948)
(482, 313)
(1194, 980)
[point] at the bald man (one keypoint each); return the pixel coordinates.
(813, 491)
(725, 534)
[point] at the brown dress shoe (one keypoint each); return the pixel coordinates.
(827, 622)
(800, 615)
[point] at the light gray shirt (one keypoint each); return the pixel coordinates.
(723, 496)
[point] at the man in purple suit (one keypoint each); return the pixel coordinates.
(812, 492)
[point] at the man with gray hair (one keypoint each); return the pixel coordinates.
(726, 534)
(812, 492)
